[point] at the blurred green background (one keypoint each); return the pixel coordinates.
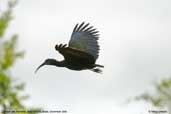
(10, 87)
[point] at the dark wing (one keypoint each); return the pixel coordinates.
(75, 55)
(85, 38)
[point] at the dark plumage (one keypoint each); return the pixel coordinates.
(82, 51)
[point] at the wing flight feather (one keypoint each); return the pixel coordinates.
(85, 38)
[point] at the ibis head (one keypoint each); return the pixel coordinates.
(50, 62)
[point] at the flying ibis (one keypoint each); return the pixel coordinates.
(81, 52)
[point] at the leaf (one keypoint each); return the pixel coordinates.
(24, 97)
(10, 53)
(4, 21)
(6, 17)
(20, 86)
(4, 82)
(19, 54)
(12, 3)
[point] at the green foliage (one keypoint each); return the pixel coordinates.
(10, 100)
(9, 97)
(10, 54)
(6, 17)
(162, 97)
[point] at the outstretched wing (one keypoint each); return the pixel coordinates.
(85, 38)
(75, 55)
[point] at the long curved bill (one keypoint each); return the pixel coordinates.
(39, 67)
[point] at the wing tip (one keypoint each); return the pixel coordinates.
(84, 27)
(92, 34)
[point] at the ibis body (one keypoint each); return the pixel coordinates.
(81, 52)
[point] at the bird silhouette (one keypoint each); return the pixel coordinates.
(82, 51)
